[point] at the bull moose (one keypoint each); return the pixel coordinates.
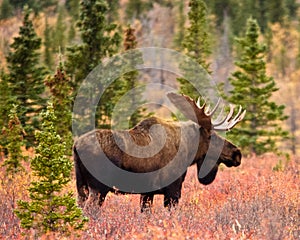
(201, 130)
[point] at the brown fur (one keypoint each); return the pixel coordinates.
(142, 136)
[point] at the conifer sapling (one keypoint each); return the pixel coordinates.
(14, 133)
(51, 207)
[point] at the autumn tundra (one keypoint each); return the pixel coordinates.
(191, 142)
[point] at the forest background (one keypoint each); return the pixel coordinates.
(243, 204)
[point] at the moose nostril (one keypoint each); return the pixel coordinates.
(237, 157)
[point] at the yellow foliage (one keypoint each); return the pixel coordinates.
(283, 66)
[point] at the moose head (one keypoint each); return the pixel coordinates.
(229, 155)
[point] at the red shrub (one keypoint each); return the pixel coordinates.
(249, 202)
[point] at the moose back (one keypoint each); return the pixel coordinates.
(201, 131)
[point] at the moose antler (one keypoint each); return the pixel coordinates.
(191, 110)
(203, 116)
(229, 121)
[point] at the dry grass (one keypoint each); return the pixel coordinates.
(249, 202)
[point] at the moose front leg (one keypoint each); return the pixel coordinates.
(95, 198)
(172, 193)
(146, 202)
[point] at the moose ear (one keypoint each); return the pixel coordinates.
(185, 104)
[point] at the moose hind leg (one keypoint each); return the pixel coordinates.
(146, 202)
(102, 197)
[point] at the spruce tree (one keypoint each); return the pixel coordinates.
(241, 12)
(129, 84)
(100, 39)
(18, 3)
(71, 32)
(252, 88)
(277, 11)
(6, 100)
(292, 7)
(113, 14)
(60, 89)
(35, 5)
(55, 37)
(196, 41)
(179, 37)
(73, 8)
(14, 134)
(48, 56)
(26, 76)
(197, 46)
(135, 8)
(131, 78)
(6, 10)
(59, 37)
(41, 4)
(264, 11)
(49, 208)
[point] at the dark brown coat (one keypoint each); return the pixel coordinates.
(196, 141)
